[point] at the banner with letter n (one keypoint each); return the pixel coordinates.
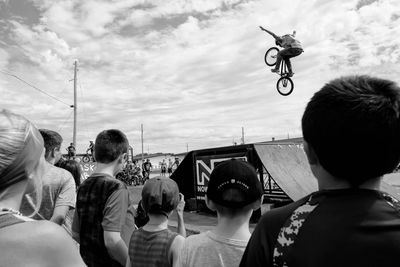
(205, 165)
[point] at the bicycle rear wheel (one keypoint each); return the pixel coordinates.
(285, 86)
(270, 56)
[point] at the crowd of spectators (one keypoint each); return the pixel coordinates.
(349, 221)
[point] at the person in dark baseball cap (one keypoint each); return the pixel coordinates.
(234, 184)
(234, 191)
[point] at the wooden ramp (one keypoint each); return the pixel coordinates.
(288, 166)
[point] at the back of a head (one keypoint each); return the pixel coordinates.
(21, 147)
(353, 125)
(233, 185)
(109, 145)
(160, 196)
(51, 139)
(73, 167)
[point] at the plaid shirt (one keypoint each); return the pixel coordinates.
(92, 197)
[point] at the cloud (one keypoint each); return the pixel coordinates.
(190, 71)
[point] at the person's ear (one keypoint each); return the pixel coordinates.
(122, 158)
(210, 204)
(311, 155)
(257, 204)
(53, 152)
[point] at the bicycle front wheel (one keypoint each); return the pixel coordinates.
(85, 159)
(285, 86)
(270, 56)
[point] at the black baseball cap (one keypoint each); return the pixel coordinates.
(234, 174)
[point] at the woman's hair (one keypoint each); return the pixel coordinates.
(73, 167)
(21, 152)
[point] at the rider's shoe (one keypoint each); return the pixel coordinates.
(275, 70)
(290, 74)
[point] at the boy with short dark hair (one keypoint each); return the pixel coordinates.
(154, 245)
(351, 129)
(102, 204)
(234, 191)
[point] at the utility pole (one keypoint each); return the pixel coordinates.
(75, 102)
(187, 147)
(243, 135)
(141, 127)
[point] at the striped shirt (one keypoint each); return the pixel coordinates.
(151, 249)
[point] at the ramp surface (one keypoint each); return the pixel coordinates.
(288, 166)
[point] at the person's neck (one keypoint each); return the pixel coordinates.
(105, 168)
(156, 222)
(51, 160)
(234, 228)
(11, 197)
(326, 181)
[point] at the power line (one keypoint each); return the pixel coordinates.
(63, 124)
(38, 89)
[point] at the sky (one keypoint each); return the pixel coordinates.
(191, 71)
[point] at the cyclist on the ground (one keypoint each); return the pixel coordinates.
(71, 151)
(291, 48)
(146, 168)
(90, 148)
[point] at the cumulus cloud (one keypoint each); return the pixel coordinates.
(190, 71)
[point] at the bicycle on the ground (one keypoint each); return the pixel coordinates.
(284, 84)
(87, 158)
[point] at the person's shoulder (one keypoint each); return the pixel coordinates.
(49, 241)
(46, 229)
(43, 235)
(60, 172)
(277, 216)
(111, 183)
(196, 240)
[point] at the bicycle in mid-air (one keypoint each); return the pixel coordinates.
(284, 85)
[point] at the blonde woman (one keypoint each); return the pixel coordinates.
(23, 241)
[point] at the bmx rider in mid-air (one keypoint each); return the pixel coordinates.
(291, 48)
